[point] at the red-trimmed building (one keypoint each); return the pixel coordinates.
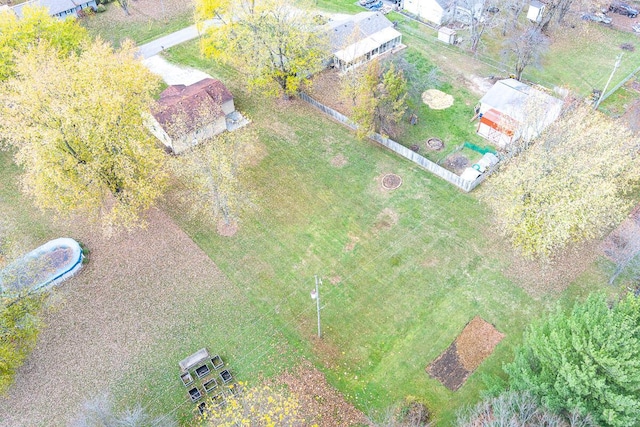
(511, 110)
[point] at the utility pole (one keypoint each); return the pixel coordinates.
(315, 294)
(615, 67)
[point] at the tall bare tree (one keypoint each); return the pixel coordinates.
(525, 49)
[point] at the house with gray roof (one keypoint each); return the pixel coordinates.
(441, 12)
(513, 110)
(58, 8)
(361, 38)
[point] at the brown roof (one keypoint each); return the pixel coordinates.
(197, 104)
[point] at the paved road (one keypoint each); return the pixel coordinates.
(156, 46)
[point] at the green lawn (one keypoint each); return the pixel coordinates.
(403, 271)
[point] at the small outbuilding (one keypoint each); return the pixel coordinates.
(447, 35)
(535, 11)
(512, 110)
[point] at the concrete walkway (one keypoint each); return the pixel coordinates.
(173, 74)
(156, 46)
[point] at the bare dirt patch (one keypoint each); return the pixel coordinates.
(386, 219)
(474, 344)
(339, 161)
(322, 405)
(227, 229)
(335, 280)
(436, 99)
(351, 244)
(456, 163)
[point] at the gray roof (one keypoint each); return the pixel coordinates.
(54, 6)
(364, 24)
(516, 100)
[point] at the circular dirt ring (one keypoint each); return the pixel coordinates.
(391, 181)
(435, 144)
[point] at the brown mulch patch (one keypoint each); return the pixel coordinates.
(321, 404)
(474, 344)
(391, 181)
(435, 144)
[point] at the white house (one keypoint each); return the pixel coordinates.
(441, 12)
(186, 115)
(57, 8)
(511, 110)
(361, 38)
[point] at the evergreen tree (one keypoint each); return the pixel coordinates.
(586, 361)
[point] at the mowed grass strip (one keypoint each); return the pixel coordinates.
(403, 271)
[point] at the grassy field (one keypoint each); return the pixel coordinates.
(403, 271)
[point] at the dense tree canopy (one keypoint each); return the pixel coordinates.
(36, 26)
(572, 184)
(379, 94)
(76, 123)
(586, 361)
(275, 43)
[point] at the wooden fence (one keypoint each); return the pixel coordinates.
(403, 151)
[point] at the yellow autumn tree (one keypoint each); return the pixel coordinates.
(573, 184)
(274, 43)
(76, 126)
(210, 176)
(260, 406)
(17, 35)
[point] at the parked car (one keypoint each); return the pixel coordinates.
(366, 3)
(597, 17)
(377, 5)
(623, 9)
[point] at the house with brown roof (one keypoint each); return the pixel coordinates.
(187, 115)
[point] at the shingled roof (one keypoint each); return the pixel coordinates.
(201, 101)
(358, 27)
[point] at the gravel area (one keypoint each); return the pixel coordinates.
(128, 297)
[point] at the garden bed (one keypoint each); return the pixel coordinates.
(475, 343)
